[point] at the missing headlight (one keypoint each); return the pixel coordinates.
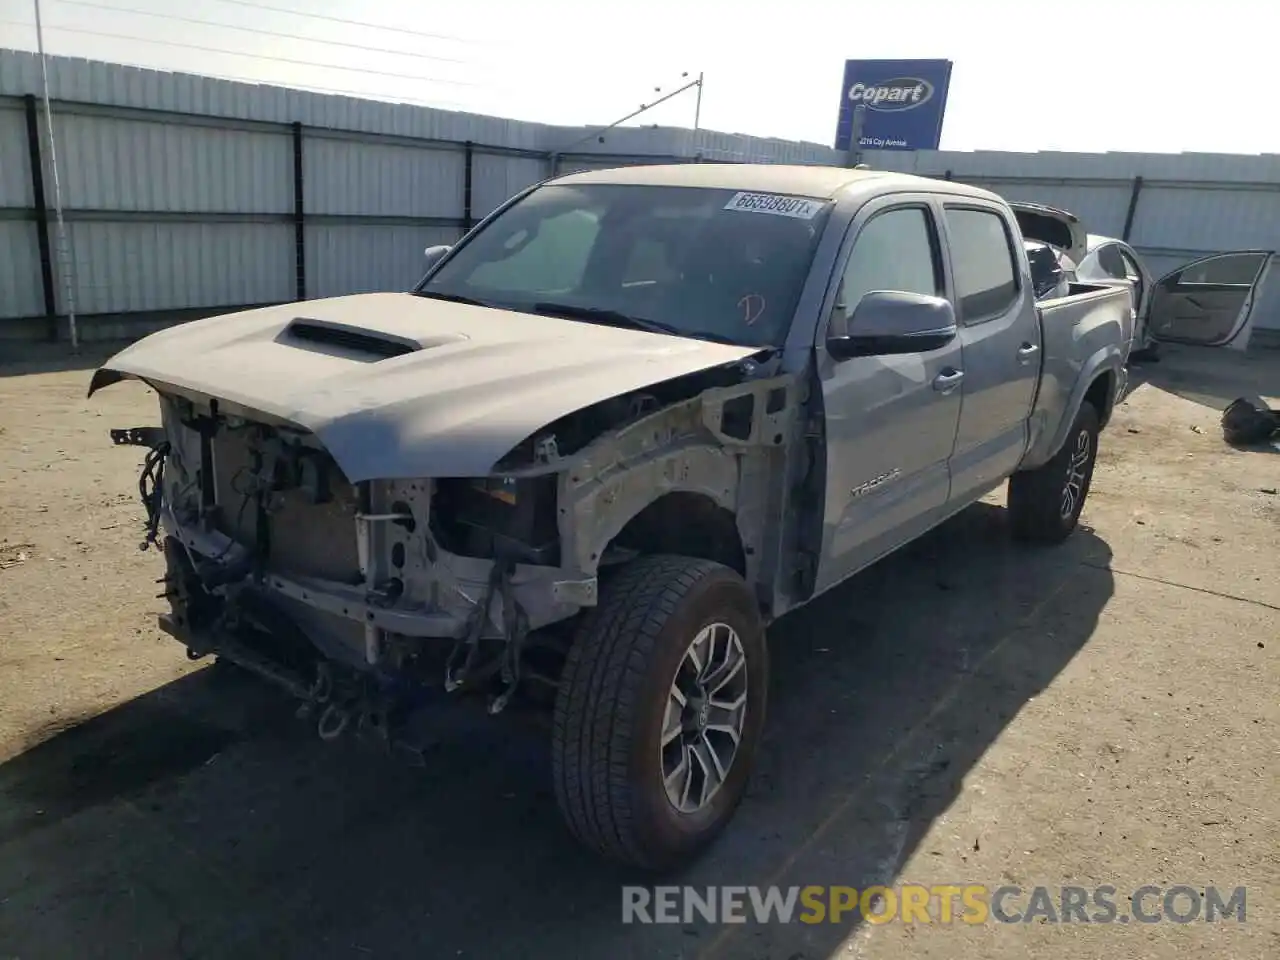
(498, 517)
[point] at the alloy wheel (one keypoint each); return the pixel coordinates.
(704, 718)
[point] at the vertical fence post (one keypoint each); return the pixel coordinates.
(469, 155)
(299, 217)
(41, 214)
(1133, 209)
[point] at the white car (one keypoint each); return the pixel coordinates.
(1205, 302)
(1111, 261)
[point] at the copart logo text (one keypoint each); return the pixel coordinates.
(901, 93)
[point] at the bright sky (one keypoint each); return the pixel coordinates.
(1085, 75)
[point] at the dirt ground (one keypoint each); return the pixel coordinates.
(968, 711)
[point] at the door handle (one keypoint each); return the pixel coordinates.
(948, 380)
(1026, 352)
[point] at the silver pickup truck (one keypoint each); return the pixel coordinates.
(627, 421)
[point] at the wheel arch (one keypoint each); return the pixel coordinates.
(687, 522)
(1101, 392)
(1100, 381)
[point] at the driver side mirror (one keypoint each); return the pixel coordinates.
(435, 254)
(887, 322)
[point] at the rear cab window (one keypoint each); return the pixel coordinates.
(983, 262)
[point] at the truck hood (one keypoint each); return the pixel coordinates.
(469, 382)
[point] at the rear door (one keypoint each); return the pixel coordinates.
(1208, 301)
(1000, 345)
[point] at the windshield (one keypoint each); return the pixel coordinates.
(714, 264)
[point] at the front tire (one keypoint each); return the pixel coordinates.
(1045, 503)
(660, 710)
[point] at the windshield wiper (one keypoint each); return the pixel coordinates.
(453, 298)
(603, 315)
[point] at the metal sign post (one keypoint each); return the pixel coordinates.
(853, 156)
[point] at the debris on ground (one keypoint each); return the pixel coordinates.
(13, 554)
(1247, 421)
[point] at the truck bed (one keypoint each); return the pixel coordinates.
(1077, 289)
(1080, 333)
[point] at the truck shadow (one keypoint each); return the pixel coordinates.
(202, 820)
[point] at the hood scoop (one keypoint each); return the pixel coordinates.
(356, 343)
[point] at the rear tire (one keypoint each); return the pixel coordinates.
(634, 710)
(1045, 503)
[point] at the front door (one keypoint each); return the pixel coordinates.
(890, 421)
(1207, 302)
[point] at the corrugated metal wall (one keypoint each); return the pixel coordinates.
(19, 258)
(182, 192)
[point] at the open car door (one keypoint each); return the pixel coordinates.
(1208, 301)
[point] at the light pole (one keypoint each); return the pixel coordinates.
(64, 248)
(644, 107)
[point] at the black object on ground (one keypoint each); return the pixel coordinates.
(1248, 421)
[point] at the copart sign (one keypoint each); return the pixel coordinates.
(904, 99)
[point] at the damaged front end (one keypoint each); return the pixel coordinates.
(359, 597)
(275, 561)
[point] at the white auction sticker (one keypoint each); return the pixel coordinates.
(800, 208)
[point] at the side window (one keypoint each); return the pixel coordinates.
(1228, 270)
(983, 260)
(896, 250)
(1111, 261)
